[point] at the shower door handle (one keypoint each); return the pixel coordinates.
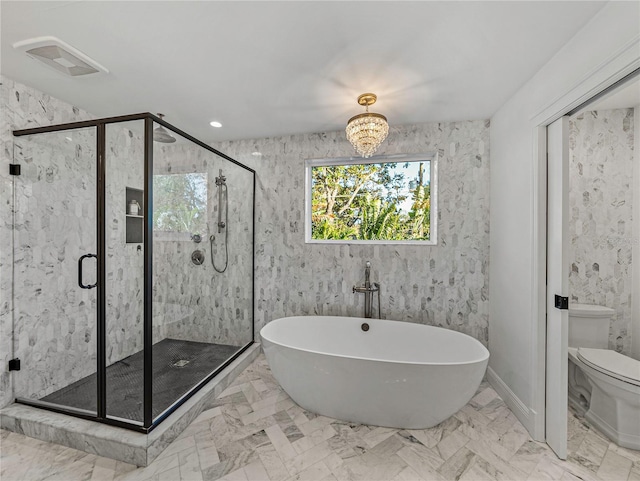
(84, 286)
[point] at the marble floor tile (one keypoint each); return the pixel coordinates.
(189, 464)
(315, 472)
(528, 456)
(302, 461)
(634, 475)
(256, 470)
(591, 451)
(457, 465)
(272, 463)
(308, 442)
(451, 444)
(408, 474)
(103, 470)
(480, 470)
(254, 432)
(281, 443)
(483, 397)
(614, 466)
(550, 467)
(377, 435)
(422, 460)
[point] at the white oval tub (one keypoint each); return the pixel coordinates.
(397, 374)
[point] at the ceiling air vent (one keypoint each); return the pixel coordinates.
(60, 56)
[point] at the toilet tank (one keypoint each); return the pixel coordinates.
(589, 325)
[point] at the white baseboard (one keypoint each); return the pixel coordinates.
(524, 414)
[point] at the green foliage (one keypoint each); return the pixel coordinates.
(361, 202)
(419, 225)
(380, 220)
(180, 203)
(326, 229)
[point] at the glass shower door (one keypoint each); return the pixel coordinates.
(202, 266)
(133, 259)
(55, 249)
(124, 271)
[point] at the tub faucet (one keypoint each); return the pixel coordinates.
(368, 289)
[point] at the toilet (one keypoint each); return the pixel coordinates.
(604, 385)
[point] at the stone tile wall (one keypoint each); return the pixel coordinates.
(55, 223)
(601, 217)
(55, 205)
(444, 285)
(221, 303)
(124, 263)
(23, 107)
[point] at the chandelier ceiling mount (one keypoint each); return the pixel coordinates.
(368, 130)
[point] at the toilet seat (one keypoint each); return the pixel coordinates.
(612, 364)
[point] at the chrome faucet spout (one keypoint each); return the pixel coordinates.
(368, 289)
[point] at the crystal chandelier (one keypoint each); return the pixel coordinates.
(367, 131)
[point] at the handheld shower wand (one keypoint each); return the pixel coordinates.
(221, 182)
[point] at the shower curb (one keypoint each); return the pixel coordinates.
(118, 443)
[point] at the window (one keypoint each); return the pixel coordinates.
(180, 203)
(383, 199)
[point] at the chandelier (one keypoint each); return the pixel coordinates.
(367, 131)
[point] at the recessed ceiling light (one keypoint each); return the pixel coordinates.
(215, 124)
(256, 154)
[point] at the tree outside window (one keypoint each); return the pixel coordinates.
(372, 201)
(180, 203)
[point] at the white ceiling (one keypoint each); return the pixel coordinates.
(274, 68)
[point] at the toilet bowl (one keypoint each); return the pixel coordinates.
(603, 385)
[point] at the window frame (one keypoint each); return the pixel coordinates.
(431, 157)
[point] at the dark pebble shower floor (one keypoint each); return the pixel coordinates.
(177, 367)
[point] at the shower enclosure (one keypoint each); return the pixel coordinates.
(113, 320)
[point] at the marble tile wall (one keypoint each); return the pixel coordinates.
(601, 217)
(221, 303)
(55, 222)
(443, 285)
(22, 107)
(124, 262)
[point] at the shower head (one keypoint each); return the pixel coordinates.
(160, 134)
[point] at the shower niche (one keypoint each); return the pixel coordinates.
(134, 215)
(126, 336)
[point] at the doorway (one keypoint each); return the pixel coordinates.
(593, 187)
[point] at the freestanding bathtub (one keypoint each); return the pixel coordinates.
(395, 374)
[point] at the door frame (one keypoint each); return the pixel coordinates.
(621, 65)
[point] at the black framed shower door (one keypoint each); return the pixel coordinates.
(146, 357)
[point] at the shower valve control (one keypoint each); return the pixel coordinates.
(197, 257)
